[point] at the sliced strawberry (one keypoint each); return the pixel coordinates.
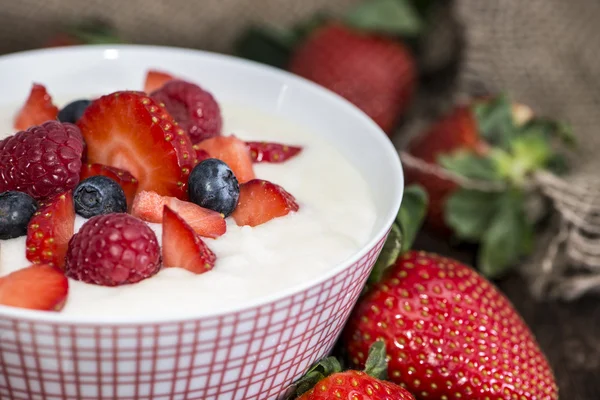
(38, 287)
(50, 230)
(201, 155)
(155, 80)
(261, 201)
(149, 206)
(129, 131)
(272, 152)
(233, 152)
(182, 247)
(38, 108)
(127, 181)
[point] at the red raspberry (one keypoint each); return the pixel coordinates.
(42, 161)
(194, 109)
(113, 250)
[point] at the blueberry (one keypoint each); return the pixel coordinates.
(98, 195)
(73, 111)
(213, 185)
(16, 209)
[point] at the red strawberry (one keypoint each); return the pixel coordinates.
(129, 131)
(449, 334)
(113, 250)
(195, 109)
(375, 73)
(155, 80)
(38, 287)
(42, 161)
(128, 183)
(201, 154)
(261, 201)
(38, 108)
(233, 152)
(149, 206)
(272, 152)
(50, 230)
(182, 247)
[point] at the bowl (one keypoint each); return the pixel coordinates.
(251, 352)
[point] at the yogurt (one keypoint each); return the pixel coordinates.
(336, 218)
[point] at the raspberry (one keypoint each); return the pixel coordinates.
(42, 161)
(194, 109)
(113, 250)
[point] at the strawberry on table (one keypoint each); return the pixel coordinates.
(149, 206)
(272, 152)
(130, 131)
(37, 287)
(182, 247)
(50, 230)
(38, 108)
(155, 80)
(233, 152)
(127, 181)
(261, 201)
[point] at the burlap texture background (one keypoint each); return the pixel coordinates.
(544, 52)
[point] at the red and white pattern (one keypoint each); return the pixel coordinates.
(251, 355)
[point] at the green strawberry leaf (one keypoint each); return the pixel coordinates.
(551, 130)
(94, 32)
(389, 254)
(531, 150)
(395, 17)
(469, 212)
(320, 370)
(412, 214)
(265, 46)
(376, 364)
(508, 237)
(495, 121)
(470, 165)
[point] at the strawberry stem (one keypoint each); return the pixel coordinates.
(319, 371)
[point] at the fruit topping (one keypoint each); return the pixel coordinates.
(233, 152)
(272, 152)
(201, 154)
(42, 161)
(113, 250)
(213, 185)
(155, 80)
(38, 108)
(182, 247)
(194, 109)
(16, 209)
(99, 195)
(149, 206)
(261, 201)
(130, 131)
(73, 111)
(50, 230)
(127, 182)
(38, 287)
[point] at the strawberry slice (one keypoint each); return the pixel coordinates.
(50, 230)
(148, 206)
(201, 154)
(38, 108)
(129, 131)
(38, 287)
(182, 247)
(272, 152)
(261, 201)
(155, 80)
(233, 152)
(127, 181)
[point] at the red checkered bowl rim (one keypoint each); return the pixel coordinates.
(378, 138)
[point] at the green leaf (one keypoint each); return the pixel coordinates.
(396, 17)
(376, 364)
(266, 46)
(320, 370)
(412, 214)
(470, 165)
(495, 121)
(531, 151)
(94, 32)
(389, 254)
(468, 213)
(508, 237)
(552, 130)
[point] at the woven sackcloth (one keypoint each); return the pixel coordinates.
(541, 51)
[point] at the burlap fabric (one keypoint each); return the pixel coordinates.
(542, 51)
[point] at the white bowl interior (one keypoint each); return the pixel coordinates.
(69, 73)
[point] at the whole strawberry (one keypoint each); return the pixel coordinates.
(42, 161)
(375, 73)
(450, 334)
(326, 381)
